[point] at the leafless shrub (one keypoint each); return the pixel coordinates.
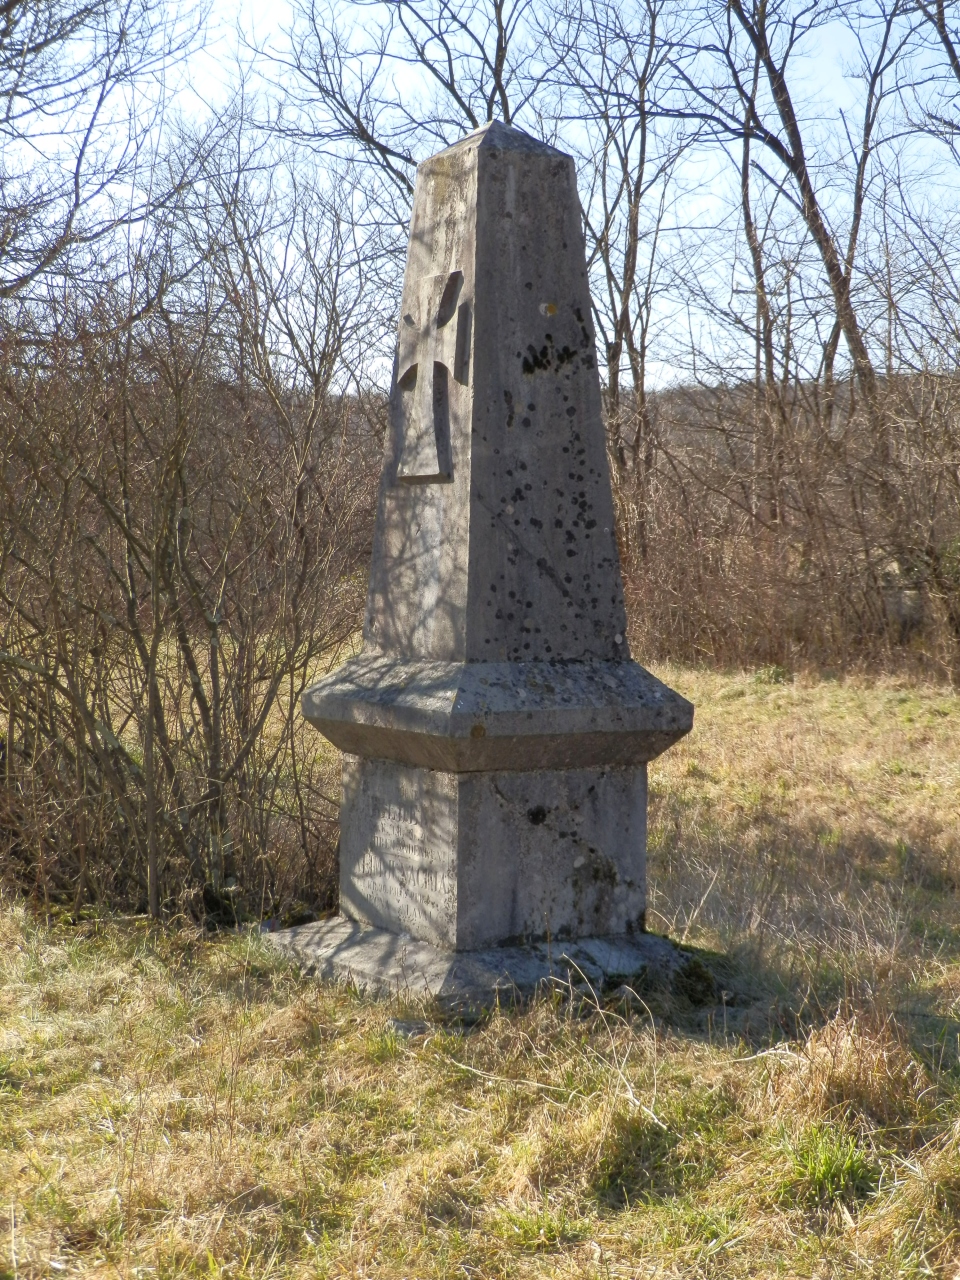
(191, 386)
(186, 514)
(852, 563)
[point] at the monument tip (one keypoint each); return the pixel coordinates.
(503, 137)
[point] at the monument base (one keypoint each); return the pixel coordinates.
(383, 963)
(471, 860)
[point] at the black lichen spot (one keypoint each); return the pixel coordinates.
(509, 399)
(584, 331)
(536, 359)
(604, 872)
(547, 356)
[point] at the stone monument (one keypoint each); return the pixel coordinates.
(495, 732)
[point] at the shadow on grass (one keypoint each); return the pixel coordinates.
(794, 918)
(742, 996)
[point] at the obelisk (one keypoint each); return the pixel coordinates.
(495, 732)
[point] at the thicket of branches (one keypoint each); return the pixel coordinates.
(196, 325)
(775, 282)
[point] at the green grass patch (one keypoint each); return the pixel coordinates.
(829, 1166)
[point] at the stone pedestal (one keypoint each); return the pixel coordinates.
(496, 733)
(472, 860)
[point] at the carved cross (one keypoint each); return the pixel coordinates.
(431, 349)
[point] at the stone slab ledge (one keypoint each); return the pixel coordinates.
(389, 964)
(488, 716)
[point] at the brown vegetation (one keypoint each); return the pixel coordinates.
(185, 518)
(844, 555)
(196, 329)
(184, 1104)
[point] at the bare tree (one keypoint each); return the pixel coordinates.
(81, 90)
(755, 43)
(608, 88)
(185, 507)
(411, 77)
(383, 87)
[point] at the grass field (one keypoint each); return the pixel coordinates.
(174, 1105)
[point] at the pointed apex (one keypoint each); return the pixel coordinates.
(502, 137)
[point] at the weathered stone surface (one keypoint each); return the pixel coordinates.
(467, 860)
(381, 962)
(466, 716)
(514, 557)
(495, 683)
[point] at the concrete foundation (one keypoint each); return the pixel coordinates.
(381, 962)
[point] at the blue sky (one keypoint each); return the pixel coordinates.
(819, 78)
(212, 68)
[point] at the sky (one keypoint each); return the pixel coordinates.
(211, 72)
(211, 69)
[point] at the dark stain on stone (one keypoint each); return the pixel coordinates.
(510, 412)
(548, 356)
(603, 871)
(584, 331)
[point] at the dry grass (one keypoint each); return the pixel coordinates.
(174, 1105)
